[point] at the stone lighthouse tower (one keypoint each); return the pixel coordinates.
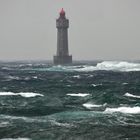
(62, 55)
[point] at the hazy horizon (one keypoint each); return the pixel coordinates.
(99, 30)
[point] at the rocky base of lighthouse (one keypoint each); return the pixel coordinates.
(62, 60)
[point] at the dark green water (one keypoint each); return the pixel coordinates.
(39, 101)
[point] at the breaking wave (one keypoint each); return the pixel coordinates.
(112, 66)
(89, 105)
(4, 124)
(54, 122)
(105, 65)
(23, 94)
(129, 110)
(95, 85)
(78, 95)
(131, 95)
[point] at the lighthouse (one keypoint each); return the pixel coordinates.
(62, 55)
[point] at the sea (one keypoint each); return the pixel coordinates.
(88, 100)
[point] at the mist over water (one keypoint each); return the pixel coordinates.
(83, 101)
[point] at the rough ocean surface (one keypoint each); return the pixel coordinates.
(84, 101)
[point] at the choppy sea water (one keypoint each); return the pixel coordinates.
(84, 101)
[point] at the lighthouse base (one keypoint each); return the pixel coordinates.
(62, 59)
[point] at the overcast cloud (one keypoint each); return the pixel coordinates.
(99, 29)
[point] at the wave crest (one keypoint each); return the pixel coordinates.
(90, 105)
(128, 110)
(112, 66)
(78, 94)
(131, 95)
(105, 65)
(23, 94)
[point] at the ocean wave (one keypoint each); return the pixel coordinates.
(111, 66)
(6, 68)
(27, 78)
(54, 122)
(89, 105)
(78, 94)
(76, 76)
(8, 78)
(128, 110)
(23, 94)
(131, 95)
(125, 83)
(105, 65)
(4, 124)
(95, 85)
(56, 68)
(23, 118)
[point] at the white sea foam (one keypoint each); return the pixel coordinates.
(90, 76)
(122, 66)
(78, 95)
(131, 95)
(13, 77)
(35, 77)
(68, 85)
(23, 94)
(95, 85)
(129, 110)
(125, 83)
(7, 94)
(27, 78)
(30, 94)
(105, 65)
(26, 119)
(77, 76)
(111, 65)
(86, 68)
(4, 124)
(89, 105)
(54, 122)
(5, 68)
(23, 65)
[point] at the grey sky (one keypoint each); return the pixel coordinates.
(99, 29)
